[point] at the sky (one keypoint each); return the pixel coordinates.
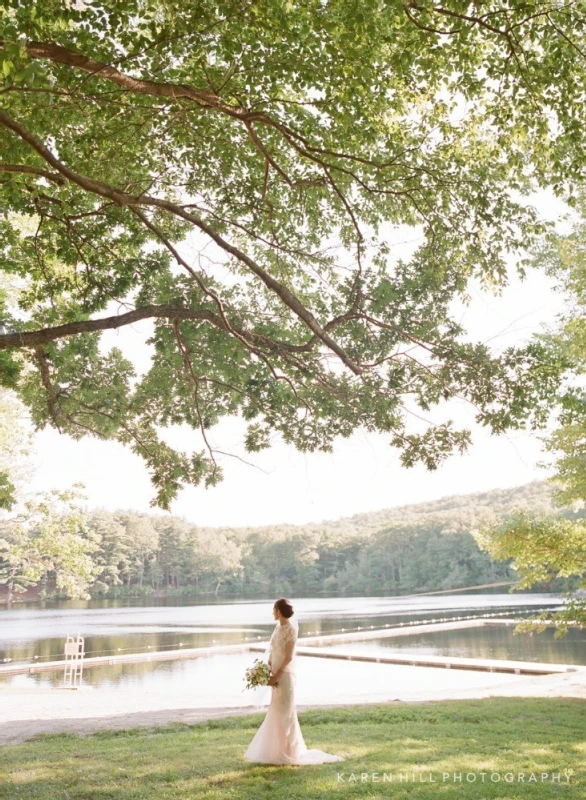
(362, 474)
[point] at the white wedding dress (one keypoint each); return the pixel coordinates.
(279, 739)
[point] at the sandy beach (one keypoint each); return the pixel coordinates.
(27, 712)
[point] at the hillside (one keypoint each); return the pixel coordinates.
(478, 508)
(421, 547)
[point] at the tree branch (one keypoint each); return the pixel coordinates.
(203, 99)
(127, 200)
(22, 339)
(26, 170)
(46, 380)
(190, 372)
(70, 58)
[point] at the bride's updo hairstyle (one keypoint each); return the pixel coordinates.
(284, 607)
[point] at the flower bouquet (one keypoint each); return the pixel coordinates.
(258, 674)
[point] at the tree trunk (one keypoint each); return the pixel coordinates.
(9, 593)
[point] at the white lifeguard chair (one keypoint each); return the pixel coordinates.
(74, 654)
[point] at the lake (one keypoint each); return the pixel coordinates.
(32, 634)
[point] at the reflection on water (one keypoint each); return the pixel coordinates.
(51, 649)
(218, 681)
(490, 641)
(34, 634)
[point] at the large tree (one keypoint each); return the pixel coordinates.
(232, 171)
(545, 546)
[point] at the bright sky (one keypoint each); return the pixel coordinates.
(363, 474)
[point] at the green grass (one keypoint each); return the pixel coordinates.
(495, 736)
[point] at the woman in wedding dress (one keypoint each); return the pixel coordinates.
(279, 739)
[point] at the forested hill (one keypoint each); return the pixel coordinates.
(422, 547)
(468, 509)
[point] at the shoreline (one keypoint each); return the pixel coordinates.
(28, 712)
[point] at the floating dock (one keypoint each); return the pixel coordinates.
(391, 632)
(447, 662)
(129, 658)
(309, 646)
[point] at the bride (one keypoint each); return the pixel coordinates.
(279, 739)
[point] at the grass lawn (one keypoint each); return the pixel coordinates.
(500, 737)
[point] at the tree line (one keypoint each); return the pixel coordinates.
(424, 547)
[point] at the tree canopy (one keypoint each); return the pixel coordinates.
(564, 257)
(233, 171)
(541, 545)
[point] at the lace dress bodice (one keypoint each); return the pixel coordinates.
(282, 634)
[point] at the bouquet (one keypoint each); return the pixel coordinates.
(258, 674)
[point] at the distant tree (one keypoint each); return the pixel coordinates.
(143, 544)
(174, 549)
(111, 557)
(47, 542)
(222, 560)
(19, 561)
(42, 538)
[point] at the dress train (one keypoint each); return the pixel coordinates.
(279, 739)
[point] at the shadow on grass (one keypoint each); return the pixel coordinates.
(417, 746)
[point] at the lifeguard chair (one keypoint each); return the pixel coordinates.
(74, 654)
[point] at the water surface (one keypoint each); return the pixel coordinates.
(32, 634)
